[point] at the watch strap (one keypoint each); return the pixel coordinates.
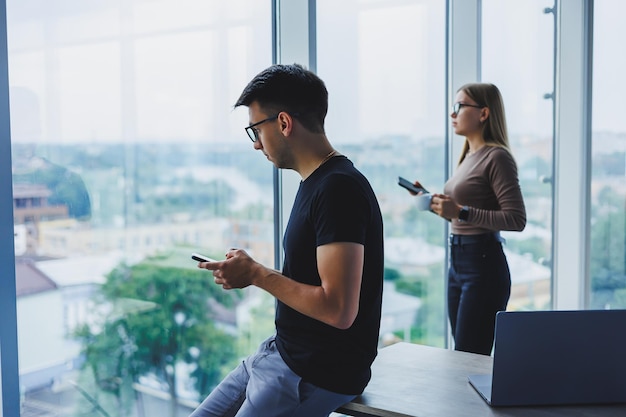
(464, 214)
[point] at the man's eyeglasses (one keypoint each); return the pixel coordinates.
(253, 133)
(458, 106)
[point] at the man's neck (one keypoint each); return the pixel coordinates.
(316, 152)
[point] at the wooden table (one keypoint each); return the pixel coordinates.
(416, 380)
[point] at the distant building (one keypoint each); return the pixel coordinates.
(399, 312)
(53, 298)
(30, 205)
(39, 324)
(20, 238)
(30, 208)
(72, 238)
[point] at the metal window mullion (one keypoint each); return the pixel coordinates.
(572, 154)
(295, 42)
(9, 370)
(462, 66)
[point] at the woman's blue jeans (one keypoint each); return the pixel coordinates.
(479, 285)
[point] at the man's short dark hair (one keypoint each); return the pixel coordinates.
(289, 88)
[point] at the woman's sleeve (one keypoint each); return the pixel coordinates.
(501, 173)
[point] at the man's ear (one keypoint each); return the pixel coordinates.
(285, 122)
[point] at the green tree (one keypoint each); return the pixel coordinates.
(428, 287)
(608, 250)
(109, 356)
(157, 317)
(391, 274)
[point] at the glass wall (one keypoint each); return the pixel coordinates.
(127, 158)
(387, 112)
(517, 55)
(608, 178)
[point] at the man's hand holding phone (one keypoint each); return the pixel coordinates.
(238, 270)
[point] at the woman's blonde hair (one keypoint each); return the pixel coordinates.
(494, 128)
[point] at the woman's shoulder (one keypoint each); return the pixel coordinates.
(500, 161)
(498, 154)
(496, 151)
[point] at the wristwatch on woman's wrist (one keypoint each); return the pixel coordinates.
(463, 214)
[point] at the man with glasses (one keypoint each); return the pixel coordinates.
(329, 293)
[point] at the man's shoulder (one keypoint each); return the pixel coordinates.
(348, 181)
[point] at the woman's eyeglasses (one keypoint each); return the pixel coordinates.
(458, 106)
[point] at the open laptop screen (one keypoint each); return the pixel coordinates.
(559, 357)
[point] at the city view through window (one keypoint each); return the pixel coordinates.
(128, 156)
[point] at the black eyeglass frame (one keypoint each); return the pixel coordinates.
(253, 134)
(456, 107)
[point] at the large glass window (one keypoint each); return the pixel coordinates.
(517, 45)
(386, 81)
(608, 177)
(127, 158)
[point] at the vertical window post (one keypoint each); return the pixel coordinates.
(9, 373)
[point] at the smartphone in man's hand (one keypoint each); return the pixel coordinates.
(201, 258)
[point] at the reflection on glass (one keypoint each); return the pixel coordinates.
(517, 56)
(386, 77)
(127, 158)
(608, 190)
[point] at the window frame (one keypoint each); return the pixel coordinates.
(9, 371)
(294, 26)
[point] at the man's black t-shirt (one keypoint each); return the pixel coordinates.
(334, 204)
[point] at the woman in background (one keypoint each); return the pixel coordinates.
(482, 198)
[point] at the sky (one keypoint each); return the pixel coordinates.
(151, 77)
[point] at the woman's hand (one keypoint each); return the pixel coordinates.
(445, 206)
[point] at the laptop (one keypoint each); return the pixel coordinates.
(556, 358)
